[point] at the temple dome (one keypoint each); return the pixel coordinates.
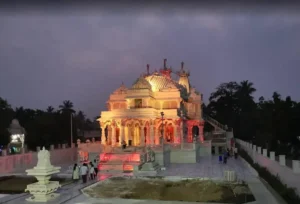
(160, 82)
(141, 83)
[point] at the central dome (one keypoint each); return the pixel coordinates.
(141, 83)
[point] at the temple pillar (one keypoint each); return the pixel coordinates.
(113, 135)
(181, 134)
(176, 138)
(157, 135)
(142, 137)
(121, 136)
(190, 133)
(151, 135)
(201, 135)
(103, 138)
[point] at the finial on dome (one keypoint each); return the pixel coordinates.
(165, 63)
(122, 83)
(148, 67)
(182, 65)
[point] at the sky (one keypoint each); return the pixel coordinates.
(49, 57)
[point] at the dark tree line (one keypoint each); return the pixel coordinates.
(271, 124)
(44, 127)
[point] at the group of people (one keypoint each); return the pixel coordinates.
(227, 154)
(86, 171)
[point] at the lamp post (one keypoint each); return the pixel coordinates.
(181, 139)
(162, 128)
(71, 129)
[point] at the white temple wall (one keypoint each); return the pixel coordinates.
(18, 163)
(288, 175)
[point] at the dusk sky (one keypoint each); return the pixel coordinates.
(45, 59)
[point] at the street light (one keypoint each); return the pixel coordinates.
(71, 129)
(182, 117)
(162, 127)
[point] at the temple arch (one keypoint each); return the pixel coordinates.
(195, 131)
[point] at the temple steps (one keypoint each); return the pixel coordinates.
(118, 162)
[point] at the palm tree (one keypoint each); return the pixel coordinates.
(67, 106)
(246, 89)
(50, 109)
(4, 104)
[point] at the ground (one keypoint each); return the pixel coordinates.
(208, 167)
(194, 190)
(18, 184)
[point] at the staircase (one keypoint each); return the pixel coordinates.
(219, 128)
(122, 162)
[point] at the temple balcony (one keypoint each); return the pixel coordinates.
(138, 113)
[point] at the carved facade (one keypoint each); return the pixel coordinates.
(134, 113)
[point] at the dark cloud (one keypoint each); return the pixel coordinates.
(45, 59)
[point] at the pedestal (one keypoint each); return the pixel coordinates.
(42, 192)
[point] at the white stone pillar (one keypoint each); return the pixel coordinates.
(272, 156)
(113, 135)
(282, 160)
(265, 152)
(142, 137)
(52, 147)
(151, 135)
(259, 150)
(38, 148)
(63, 146)
(103, 138)
(254, 148)
(296, 166)
(121, 138)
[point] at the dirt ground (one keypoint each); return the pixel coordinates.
(17, 184)
(159, 189)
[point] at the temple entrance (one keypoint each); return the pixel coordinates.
(195, 131)
(146, 137)
(117, 134)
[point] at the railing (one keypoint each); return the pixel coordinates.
(214, 123)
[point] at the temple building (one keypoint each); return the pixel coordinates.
(156, 105)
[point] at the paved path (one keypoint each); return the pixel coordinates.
(208, 167)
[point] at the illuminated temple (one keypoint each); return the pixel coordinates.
(156, 105)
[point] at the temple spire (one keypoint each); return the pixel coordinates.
(182, 65)
(165, 63)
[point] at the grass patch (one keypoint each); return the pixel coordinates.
(288, 194)
(158, 189)
(18, 184)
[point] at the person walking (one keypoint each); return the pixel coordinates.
(235, 153)
(92, 172)
(225, 157)
(84, 172)
(95, 167)
(76, 173)
(220, 159)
